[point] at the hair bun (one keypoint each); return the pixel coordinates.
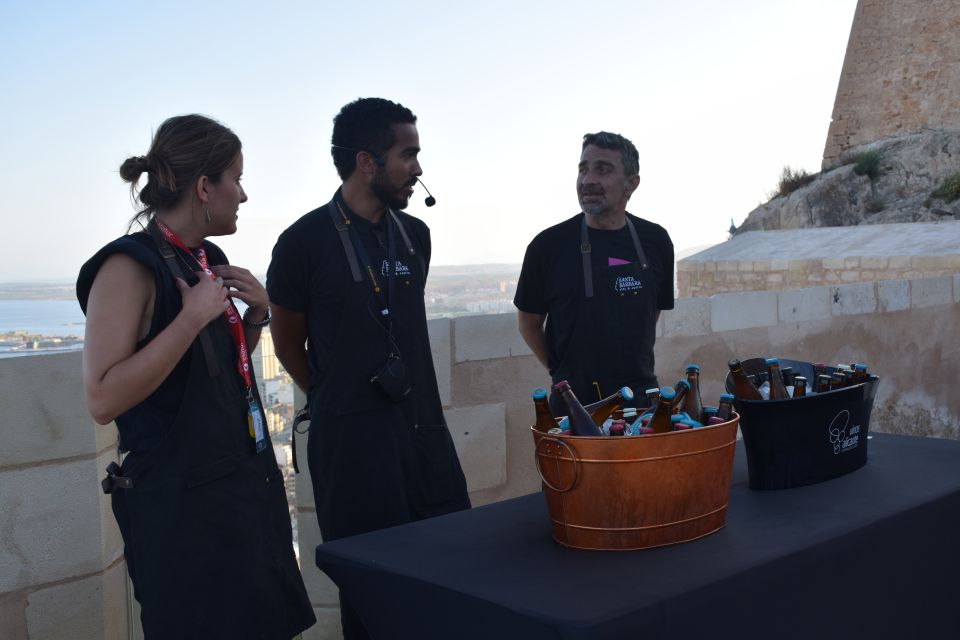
(133, 167)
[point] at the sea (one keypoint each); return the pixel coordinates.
(42, 317)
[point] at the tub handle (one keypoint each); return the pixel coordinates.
(573, 457)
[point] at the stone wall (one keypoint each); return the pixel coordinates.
(699, 279)
(899, 73)
(61, 573)
(754, 260)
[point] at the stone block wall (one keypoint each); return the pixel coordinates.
(899, 74)
(707, 278)
(62, 573)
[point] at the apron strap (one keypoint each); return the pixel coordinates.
(585, 250)
(636, 244)
(341, 224)
(166, 251)
(409, 245)
(585, 256)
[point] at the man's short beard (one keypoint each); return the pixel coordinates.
(381, 188)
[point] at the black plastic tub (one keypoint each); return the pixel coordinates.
(801, 441)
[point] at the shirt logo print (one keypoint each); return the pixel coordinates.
(401, 269)
(627, 283)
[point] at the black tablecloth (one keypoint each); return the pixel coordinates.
(869, 555)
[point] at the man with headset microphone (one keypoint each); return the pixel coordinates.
(346, 286)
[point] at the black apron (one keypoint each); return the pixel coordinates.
(615, 302)
(376, 463)
(206, 525)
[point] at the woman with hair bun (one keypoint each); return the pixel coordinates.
(199, 498)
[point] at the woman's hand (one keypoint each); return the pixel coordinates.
(244, 286)
(205, 301)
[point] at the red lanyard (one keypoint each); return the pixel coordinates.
(233, 318)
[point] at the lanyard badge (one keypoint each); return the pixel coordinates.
(255, 423)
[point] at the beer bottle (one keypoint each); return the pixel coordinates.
(725, 406)
(799, 386)
(581, 422)
(837, 381)
(545, 420)
(709, 412)
(818, 370)
(652, 394)
(660, 421)
(741, 386)
(681, 390)
(787, 374)
(692, 403)
(777, 389)
(849, 377)
(822, 385)
(602, 409)
(860, 373)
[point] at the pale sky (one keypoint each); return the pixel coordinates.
(717, 96)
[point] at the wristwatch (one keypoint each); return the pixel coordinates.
(256, 323)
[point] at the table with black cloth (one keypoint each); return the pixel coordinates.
(872, 554)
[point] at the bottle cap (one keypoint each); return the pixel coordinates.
(726, 396)
(710, 410)
(668, 393)
(652, 391)
(539, 393)
(627, 393)
(770, 361)
(683, 383)
(693, 367)
(861, 367)
(560, 386)
(734, 363)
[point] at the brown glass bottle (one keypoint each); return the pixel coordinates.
(778, 391)
(822, 384)
(860, 374)
(661, 421)
(603, 409)
(692, 403)
(725, 406)
(742, 387)
(581, 422)
(680, 390)
(799, 386)
(545, 420)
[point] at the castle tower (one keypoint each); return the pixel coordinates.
(901, 73)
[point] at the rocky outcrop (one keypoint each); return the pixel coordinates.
(911, 168)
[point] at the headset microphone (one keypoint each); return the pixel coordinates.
(429, 200)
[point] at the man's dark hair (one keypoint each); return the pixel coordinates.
(628, 153)
(365, 125)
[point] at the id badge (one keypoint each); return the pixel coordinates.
(255, 424)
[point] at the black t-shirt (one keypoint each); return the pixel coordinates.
(346, 340)
(607, 338)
